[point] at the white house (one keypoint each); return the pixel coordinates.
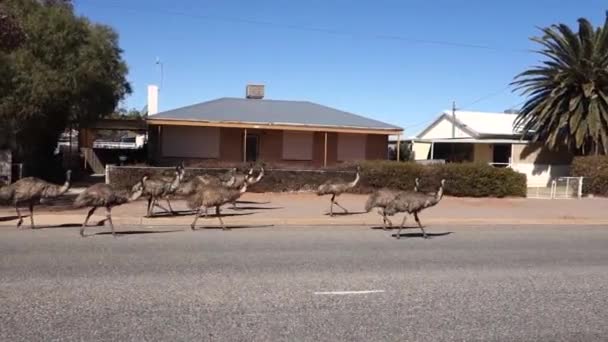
(488, 138)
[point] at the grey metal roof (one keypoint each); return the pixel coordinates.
(277, 112)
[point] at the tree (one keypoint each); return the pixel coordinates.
(66, 69)
(567, 95)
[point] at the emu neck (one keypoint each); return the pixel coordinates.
(66, 186)
(175, 182)
(354, 183)
(439, 194)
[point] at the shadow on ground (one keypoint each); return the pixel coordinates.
(419, 235)
(10, 218)
(251, 202)
(235, 227)
(136, 232)
(348, 213)
(255, 208)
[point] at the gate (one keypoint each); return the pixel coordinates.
(559, 188)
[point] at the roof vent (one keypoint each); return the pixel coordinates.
(255, 91)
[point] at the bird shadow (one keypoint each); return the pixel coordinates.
(72, 225)
(214, 215)
(235, 227)
(175, 213)
(10, 218)
(350, 213)
(137, 232)
(420, 235)
(251, 202)
(256, 208)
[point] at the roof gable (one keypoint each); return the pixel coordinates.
(300, 113)
(476, 124)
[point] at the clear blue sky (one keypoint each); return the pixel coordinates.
(213, 48)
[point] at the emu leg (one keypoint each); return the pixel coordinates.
(196, 216)
(420, 225)
(331, 207)
(109, 218)
(86, 220)
(219, 217)
(401, 226)
(18, 214)
(234, 207)
(160, 206)
(32, 215)
(170, 209)
(338, 204)
(149, 211)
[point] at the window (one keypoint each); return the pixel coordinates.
(351, 147)
(297, 145)
(190, 142)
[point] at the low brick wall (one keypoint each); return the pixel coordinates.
(275, 180)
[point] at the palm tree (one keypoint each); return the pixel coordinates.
(567, 95)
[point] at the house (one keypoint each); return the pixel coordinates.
(492, 138)
(249, 129)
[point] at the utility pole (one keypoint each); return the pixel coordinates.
(453, 119)
(160, 64)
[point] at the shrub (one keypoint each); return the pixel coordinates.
(595, 171)
(466, 180)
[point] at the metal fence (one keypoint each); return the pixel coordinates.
(559, 188)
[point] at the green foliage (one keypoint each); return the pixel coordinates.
(467, 180)
(405, 152)
(595, 171)
(462, 179)
(567, 95)
(66, 69)
(124, 114)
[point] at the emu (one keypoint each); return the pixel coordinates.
(382, 198)
(335, 189)
(32, 190)
(213, 196)
(190, 187)
(104, 195)
(249, 179)
(156, 188)
(413, 203)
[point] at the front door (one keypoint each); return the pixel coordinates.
(253, 147)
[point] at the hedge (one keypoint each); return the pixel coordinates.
(465, 180)
(595, 171)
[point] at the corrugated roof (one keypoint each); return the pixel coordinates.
(478, 124)
(277, 112)
(486, 123)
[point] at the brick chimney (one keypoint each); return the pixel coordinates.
(255, 91)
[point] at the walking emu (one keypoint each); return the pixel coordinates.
(249, 179)
(335, 189)
(413, 203)
(104, 195)
(32, 190)
(157, 188)
(213, 196)
(382, 198)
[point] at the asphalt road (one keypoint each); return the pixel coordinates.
(279, 284)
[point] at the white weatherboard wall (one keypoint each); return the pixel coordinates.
(191, 142)
(351, 146)
(443, 130)
(297, 145)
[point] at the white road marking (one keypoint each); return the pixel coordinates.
(348, 292)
